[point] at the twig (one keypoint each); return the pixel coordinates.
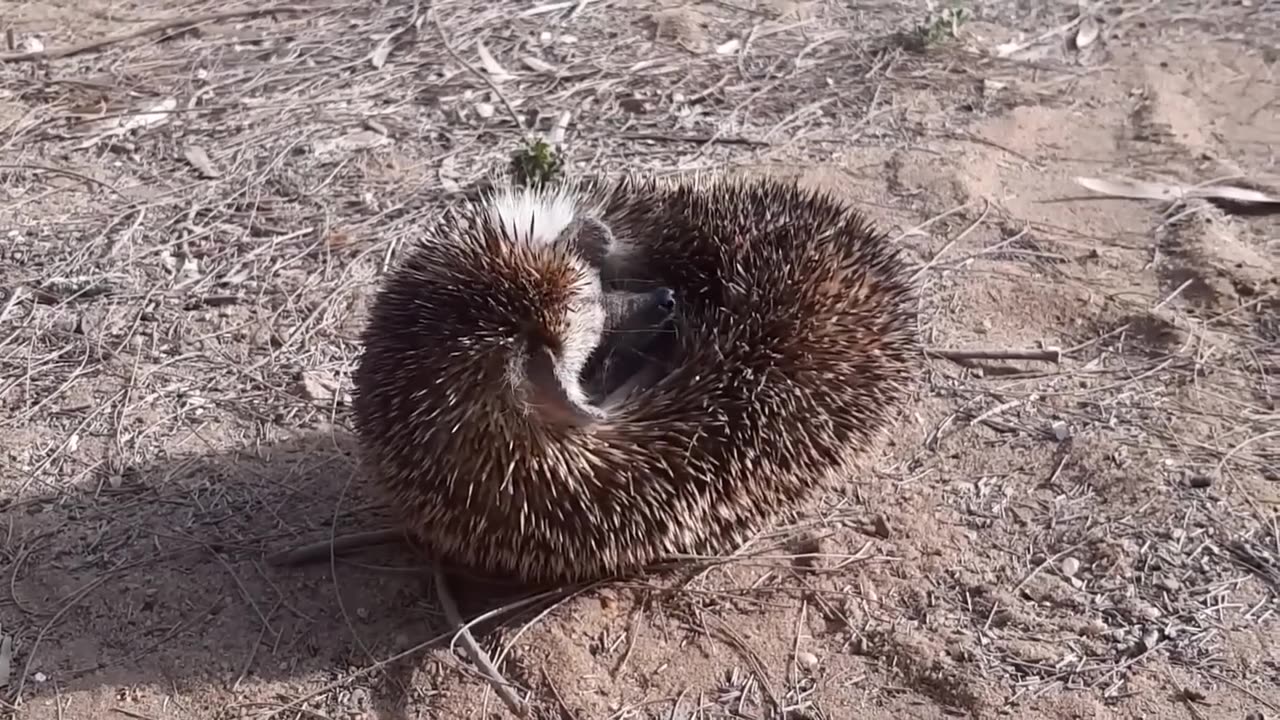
(911, 231)
(62, 172)
(477, 653)
(565, 711)
(1047, 562)
(161, 26)
(1053, 355)
(444, 38)
(297, 703)
(1249, 441)
(700, 139)
(342, 544)
(986, 208)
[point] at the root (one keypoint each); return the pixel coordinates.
(339, 545)
(477, 653)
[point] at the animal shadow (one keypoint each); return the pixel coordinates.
(158, 576)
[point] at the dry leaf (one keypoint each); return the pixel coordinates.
(157, 114)
(534, 63)
(1143, 190)
(728, 48)
(321, 388)
(561, 127)
(153, 116)
(1230, 192)
(1014, 46)
(1133, 189)
(1004, 50)
(447, 172)
(645, 65)
(1087, 33)
(199, 160)
(358, 140)
(31, 45)
(498, 72)
(6, 659)
(379, 56)
(543, 9)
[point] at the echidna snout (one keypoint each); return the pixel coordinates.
(638, 334)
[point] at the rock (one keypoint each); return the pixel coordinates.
(1070, 567)
(1060, 430)
(807, 660)
(1149, 612)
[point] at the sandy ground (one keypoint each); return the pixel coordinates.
(192, 220)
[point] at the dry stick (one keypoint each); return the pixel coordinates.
(296, 704)
(1222, 463)
(328, 549)
(148, 30)
(478, 654)
(929, 222)
(339, 544)
(62, 172)
(933, 260)
(1048, 561)
(671, 137)
(444, 38)
(1053, 355)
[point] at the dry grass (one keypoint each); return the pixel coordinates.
(194, 211)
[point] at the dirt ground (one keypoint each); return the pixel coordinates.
(192, 220)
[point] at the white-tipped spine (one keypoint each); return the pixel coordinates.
(535, 216)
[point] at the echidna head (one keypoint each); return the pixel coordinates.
(547, 374)
(581, 320)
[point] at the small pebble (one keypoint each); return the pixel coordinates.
(1168, 582)
(807, 660)
(1070, 567)
(1150, 612)
(1150, 638)
(1060, 431)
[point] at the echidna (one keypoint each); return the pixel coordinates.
(790, 350)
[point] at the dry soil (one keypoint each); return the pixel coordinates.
(192, 219)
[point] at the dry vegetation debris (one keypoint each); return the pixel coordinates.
(195, 204)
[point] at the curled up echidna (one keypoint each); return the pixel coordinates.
(523, 429)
